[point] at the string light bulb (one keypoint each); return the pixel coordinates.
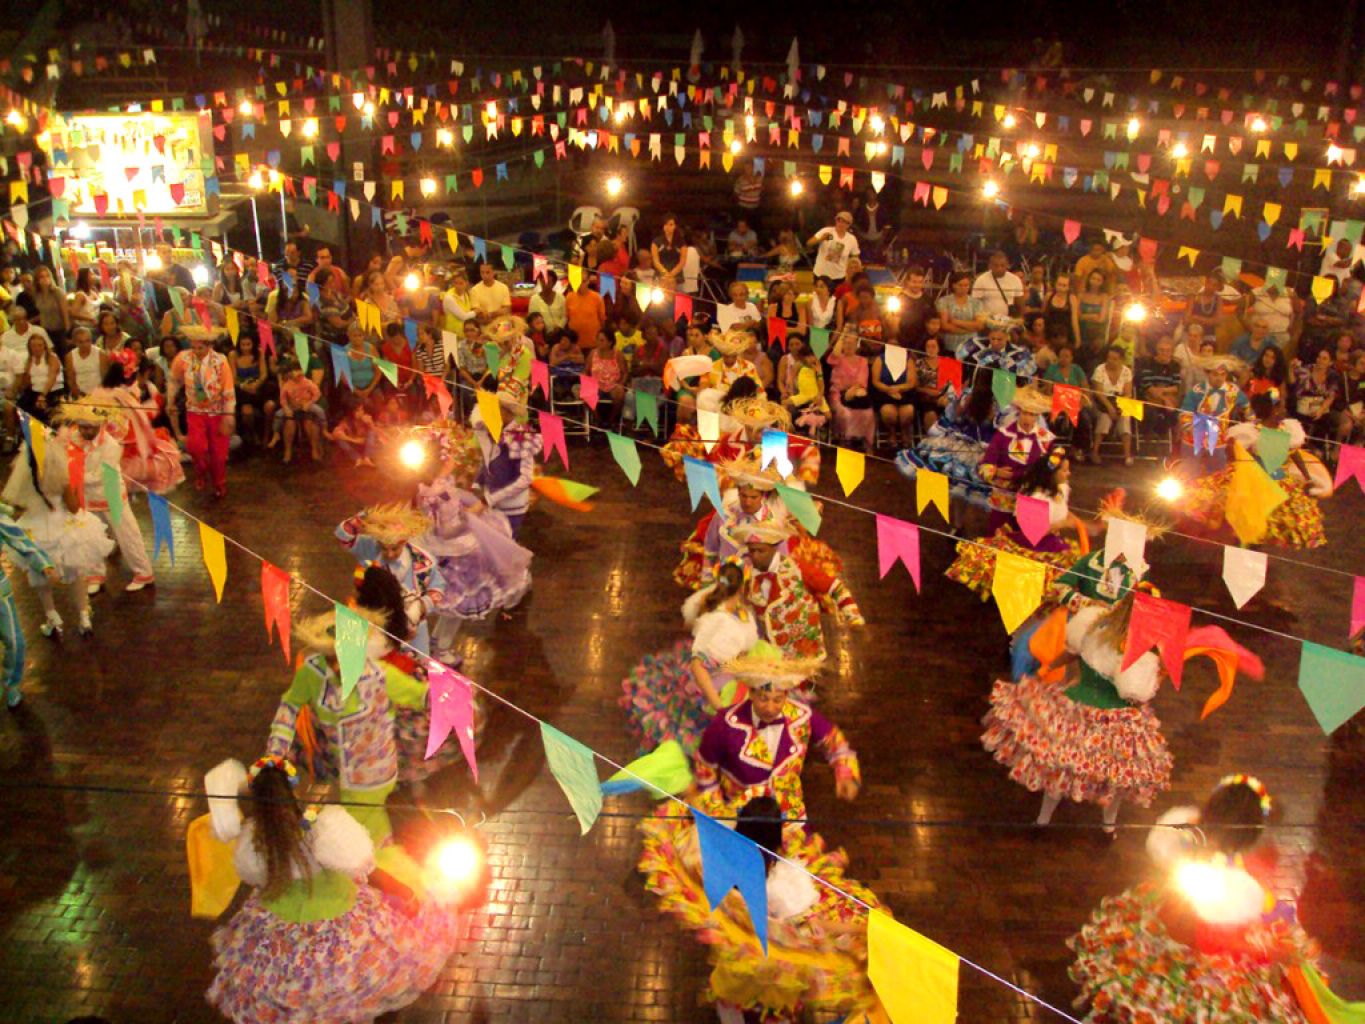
(615, 185)
(893, 304)
(620, 114)
(1170, 489)
(798, 186)
(1333, 153)
(1358, 186)
(256, 181)
(445, 137)
(877, 124)
(1009, 120)
(310, 128)
(412, 281)
(16, 119)
(656, 296)
(1134, 126)
(412, 454)
(245, 108)
(200, 274)
(1219, 893)
(879, 148)
(1180, 151)
(1258, 124)
(456, 868)
(368, 108)
(990, 189)
(1032, 151)
(1135, 313)
(491, 111)
(428, 186)
(152, 261)
(735, 147)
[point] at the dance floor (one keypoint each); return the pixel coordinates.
(94, 892)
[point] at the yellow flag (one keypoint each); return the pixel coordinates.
(1262, 148)
(491, 412)
(213, 875)
(396, 188)
(453, 239)
(1017, 587)
(826, 173)
(215, 557)
(1186, 253)
(1291, 150)
(230, 314)
(18, 191)
(849, 467)
(1131, 407)
(1271, 213)
(727, 160)
(37, 434)
(915, 977)
(940, 197)
(1322, 288)
(1322, 178)
(931, 487)
(1233, 205)
(1252, 496)
(575, 276)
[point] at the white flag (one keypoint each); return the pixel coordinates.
(1129, 539)
(1243, 572)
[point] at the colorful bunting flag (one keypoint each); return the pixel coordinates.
(572, 765)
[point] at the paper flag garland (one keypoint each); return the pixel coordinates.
(588, 390)
(915, 978)
(161, 524)
(1034, 516)
(773, 452)
(568, 493)
(275, 597)
(849, 467)
(1017, 586)
(1127, 539)
(1357, 606)
(450, 699)
(1003, 387)
(931, 487)
(627, 456)
(1350, 463)
(490, 411)
(701, 480)
(1163, 623)
(800, 504)
(897, 541)
(215, 557)
(1243, 573)
(1272, 448)
(113, 492)
(552, 436)
(662, 772)
(352, 633)
(647, 409)
(1333, 683)
(732, 861)
(572, 765)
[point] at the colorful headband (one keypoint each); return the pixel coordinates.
(275, 761)
(1273, 394)
(1148, 587)
(1055, 456)
(739, 562)
(1252, 783)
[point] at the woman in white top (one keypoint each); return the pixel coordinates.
(85, 300)
(1112, 379)
(823, 305)
(40, 382)
(85, 364)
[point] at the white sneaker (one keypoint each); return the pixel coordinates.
(52, 625)
(139, 583)
(85, 626)
(94, 587)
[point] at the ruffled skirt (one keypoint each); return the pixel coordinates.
(77, 542)
(1297, 523)
(368, 961)
(412, 727)
(663, 701)
(1052, 744)
(484, 569)
(1131, 971)
(975, 563)
(160, 471)
(807, 963)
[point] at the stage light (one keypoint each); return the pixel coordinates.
(310, 128)
(80, 230)
(428, 186)
(990, 190)
(412, 281)
(735, 147)
(256, 181)
(200, 274)
(246, 109)
(1180, 151)
(456, 868)
(796, 187)
(893, 304)
(1134, 126)
(151, 261)
(491, 111)
(1170, 489)
(413, 454)
(1135, 312)
(1009, 121)
(445, 137)
(368, 108)
(1258, 124)
(615, 185)
(656, 296)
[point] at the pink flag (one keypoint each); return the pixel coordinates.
(450, 697)
(552, 434)
(1350, 463)
(267, 334)
(1034, 516)
(587, 390)
(540, 376)
(898, 540)
(1071, 230)
(275, 597)
(1358, 606)
(1165, 624)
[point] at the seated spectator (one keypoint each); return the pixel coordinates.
(472, 359)
(1249, 346)
(1067, 371)
(550, 305)
(1157, 382)
(1351, 417)
(787, 253)
(866, 316)
(587, 312)
(609, 368)
(1270, 371)
(1034, 339)
(801, 387)
(742, 242)
(739, 312)
(356, 436)
(931, 397)
(782, 305)
(893, 394)
(1279, 309)
(849, 394)
(624, 310)
(997, 352)
(1112, 379)
(1317, 396)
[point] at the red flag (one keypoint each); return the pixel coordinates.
(75, 471)
(682, 307)
(437, 387)
(777, 331)
(1066, 399)
(1165, 624)
(950, 372)
(275, 597)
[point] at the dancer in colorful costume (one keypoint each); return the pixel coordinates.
(93, 426)
(1294, 522)
(675, 694)
(956, 442)
(151, 457)
(314, 942)
(1209, 945)
(509, 463)
(384, 535)
(1210, 406)
(34, 559)
(1020, 441)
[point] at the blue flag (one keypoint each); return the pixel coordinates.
(701, 480)
(341, 365)
(161, 526)
(730, 861)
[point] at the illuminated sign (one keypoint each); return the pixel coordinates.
(121, 165)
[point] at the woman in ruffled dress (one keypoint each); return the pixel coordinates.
(674, 694)
(1209, 944)
(1091, 737)
(314, 942)
(50, 512)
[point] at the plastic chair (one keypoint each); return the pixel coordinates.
(574, 412)
(581, 220)
(627, 217)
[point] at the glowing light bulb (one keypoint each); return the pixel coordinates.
(310, 128)
(877, 124)
(1135, 313)
(1180, 151)
(1170, 489)
(1333, 153)
(274, 178)
(879, 148)
(358, 100)
(152, 261)
(246, 109)
(893, 304)
(17, 120)
(615, 185)
(1258, 124)
(413, 454)
(456, 863)
(445, 137)
(200, 275)
(991, 189)
(368, 109)
(81, 230)
(1134, 126)
(798, 186)
(620, 114)
(1358, 186)
(428, 186)
(736, 146)
(1009, 120)
(412, 281)
(749, 121)
(1032, 150)
(491, 111)
(256, 181)
(656, 296)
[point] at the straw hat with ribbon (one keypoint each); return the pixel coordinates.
(393, 523)
(763, 665)
(1219, 361)
(744, 471)
(504, 328)
(1030, 399)
(759, 413)
(90, 410)
(733, 342)
(770, 531)
(318, 632)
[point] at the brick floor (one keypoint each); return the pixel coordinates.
(93, 887)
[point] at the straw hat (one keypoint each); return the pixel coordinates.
(1030, 399)
(770, 531)
(504, 328)
(732, 342)
(1111, 507)
(1219, 361)
(393, 523)
(91, 409)
(744, 471)
(759, 412)
(764, 665)
(318, 632)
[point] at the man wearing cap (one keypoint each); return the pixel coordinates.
(836, 245)
(758, 747)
